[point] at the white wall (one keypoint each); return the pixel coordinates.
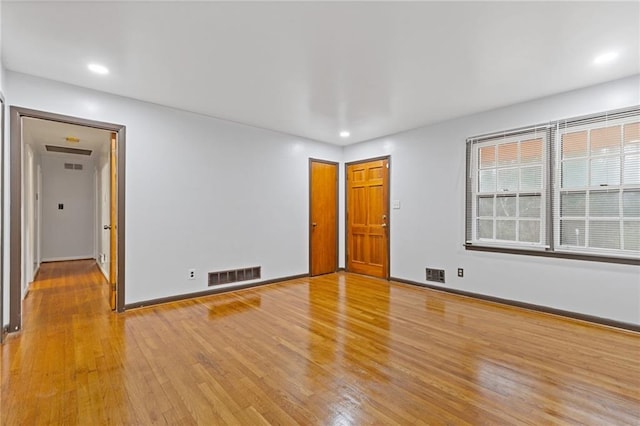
(209, 194)
(68, 233)
(428, 229)
(200, 192)
(2, 84)
(4, 288)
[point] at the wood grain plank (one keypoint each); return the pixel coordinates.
(333, 349)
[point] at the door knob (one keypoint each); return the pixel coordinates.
(314, 224)
(106, 227)
(384, 225)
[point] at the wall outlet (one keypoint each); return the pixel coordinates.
(191, 274)
(460, 272)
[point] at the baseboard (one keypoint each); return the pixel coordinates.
(210, 292)
(529, 306)
(66, 259)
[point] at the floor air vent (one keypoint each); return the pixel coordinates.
(232, 276)
(435, 275)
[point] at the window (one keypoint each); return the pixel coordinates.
(598, 190)
(509, 194)
(570, 187)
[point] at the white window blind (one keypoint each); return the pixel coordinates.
(569, 188)
(597, 192)
(509, 190)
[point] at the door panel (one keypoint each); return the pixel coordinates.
(360, 210)
(323, 209)
(367, 218)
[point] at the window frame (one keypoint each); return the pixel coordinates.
(589, 188)
(550, 215)
(475, 168)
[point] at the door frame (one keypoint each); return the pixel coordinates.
(346, 207)
(2, 257)
(337, 165)
(15, 208)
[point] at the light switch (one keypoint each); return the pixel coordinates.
(396, 204)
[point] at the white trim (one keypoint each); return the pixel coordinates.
(61, 259)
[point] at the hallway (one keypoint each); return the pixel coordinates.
(50, 369)
(335, 349)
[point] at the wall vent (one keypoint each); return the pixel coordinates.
(72, 166)
(235, 275)
(435, 275)
(66, 150)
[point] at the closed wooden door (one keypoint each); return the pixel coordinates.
(113, 207)
(323, 217)
(368, 218)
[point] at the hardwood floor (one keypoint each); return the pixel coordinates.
(338, 349)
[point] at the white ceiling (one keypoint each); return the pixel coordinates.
(39, 133)
(313, 69)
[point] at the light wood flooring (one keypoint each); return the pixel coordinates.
(339, 349)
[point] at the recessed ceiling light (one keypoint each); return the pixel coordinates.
(98, 69)
(344, 134)
(605, 58)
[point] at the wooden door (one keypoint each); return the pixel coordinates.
(113, 213)
(323, 217)
(367, 217)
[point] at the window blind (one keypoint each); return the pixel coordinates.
(597, 196)
(572, 186)
(507, 187)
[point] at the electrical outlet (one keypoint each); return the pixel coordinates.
(460, 272)
(191, 274)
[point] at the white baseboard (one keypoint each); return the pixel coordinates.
(62, 259)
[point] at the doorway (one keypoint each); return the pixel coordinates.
(323, 217)
(115, 154)
(367, 217)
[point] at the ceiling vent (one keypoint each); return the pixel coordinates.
(66, 150)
